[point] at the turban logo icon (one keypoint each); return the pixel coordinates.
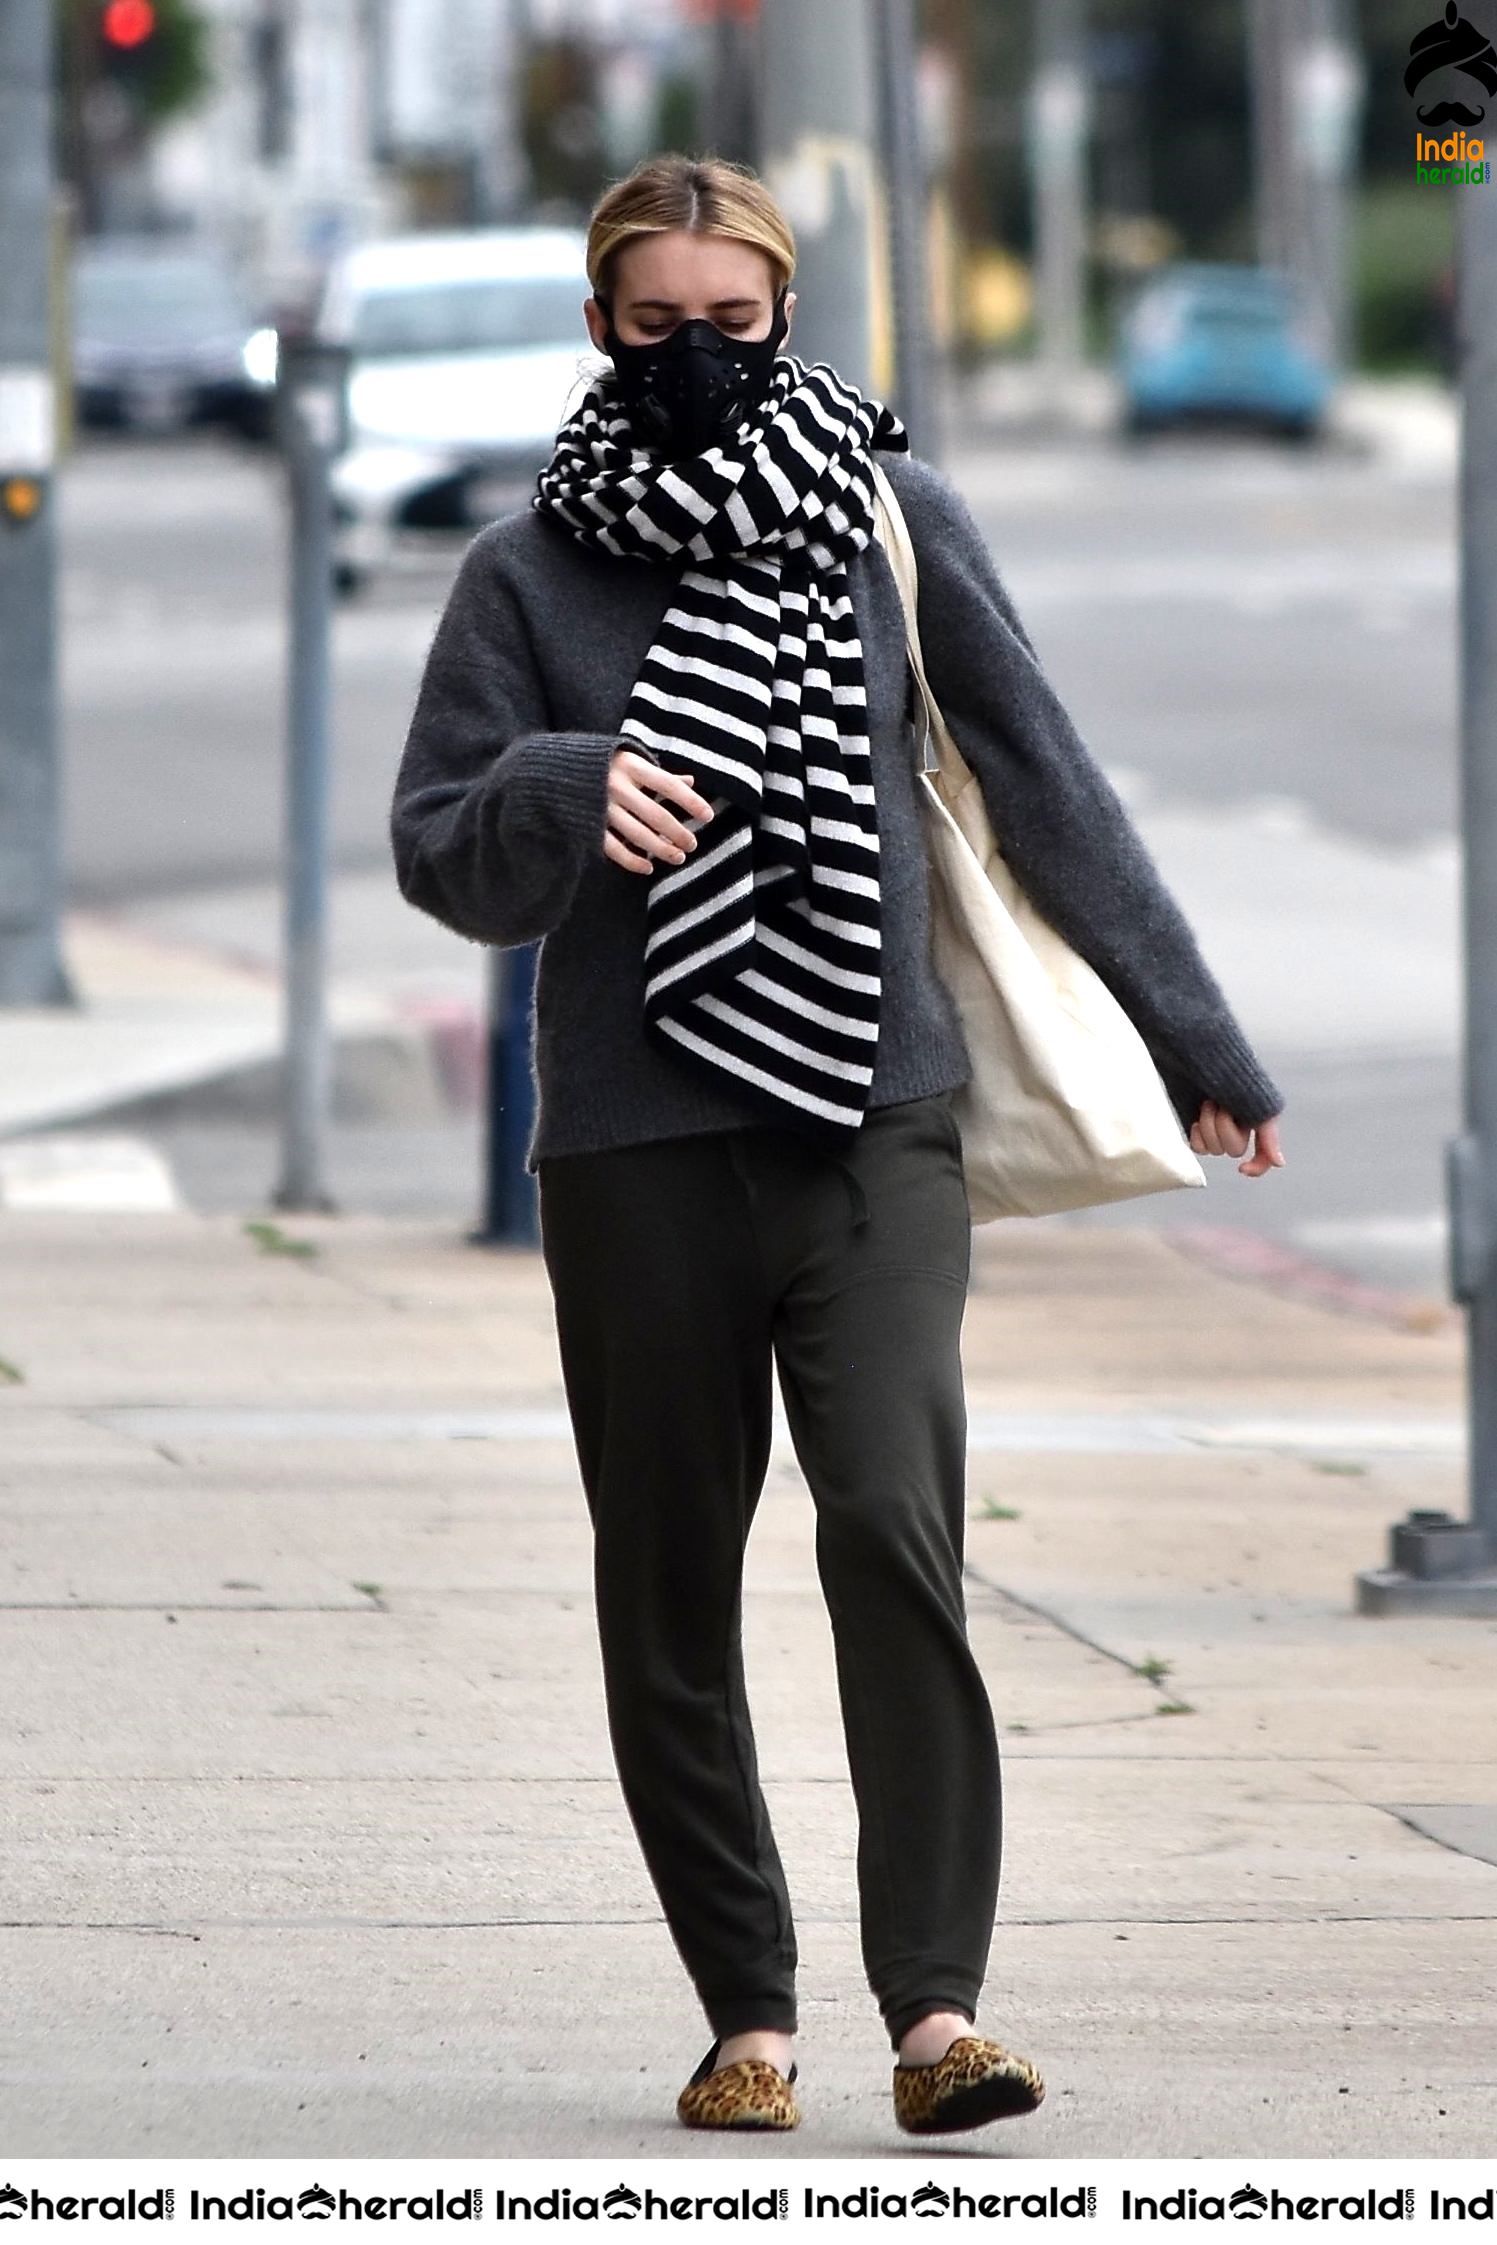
(1452, 44)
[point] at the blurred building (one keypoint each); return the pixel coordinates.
(330, 120)
(281, 160)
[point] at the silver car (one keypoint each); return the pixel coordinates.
(467, 352)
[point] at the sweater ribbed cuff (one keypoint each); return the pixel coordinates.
(561, 779)
(1228, 1071)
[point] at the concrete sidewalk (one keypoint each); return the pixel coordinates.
(312, 1839)
(182, 993)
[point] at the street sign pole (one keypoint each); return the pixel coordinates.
(1439, 1564)
(312, 404)
(31, 966)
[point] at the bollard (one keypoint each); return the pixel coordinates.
(312, 424)
(511, 1205)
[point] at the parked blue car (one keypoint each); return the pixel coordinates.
(1221, 343)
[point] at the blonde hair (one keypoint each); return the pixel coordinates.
(703, 194)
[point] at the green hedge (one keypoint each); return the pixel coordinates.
(1403, 244)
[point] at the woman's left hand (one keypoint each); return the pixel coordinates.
(1214, 1131)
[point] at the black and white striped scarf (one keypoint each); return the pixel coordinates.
(763, 947)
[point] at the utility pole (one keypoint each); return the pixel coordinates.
(31, 967)
(950, 24)
(904, 195)
(510, 166)
(1439, 1564)
(731, 30)
(1328, 86)
(819, 136)
(1271, 25)
(1307, 85)
(1056, 129)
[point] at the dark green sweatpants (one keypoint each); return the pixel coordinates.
(683, 1271)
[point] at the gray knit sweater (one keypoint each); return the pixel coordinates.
(499, 817)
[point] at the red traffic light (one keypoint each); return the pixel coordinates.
(128, 23)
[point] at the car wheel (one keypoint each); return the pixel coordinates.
(1302, 428)
(348, 579)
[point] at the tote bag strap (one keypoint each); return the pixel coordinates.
(893, 534)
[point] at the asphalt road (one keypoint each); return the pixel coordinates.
(1227, 621)
(1258, 644)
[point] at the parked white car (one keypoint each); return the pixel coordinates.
(468, 352)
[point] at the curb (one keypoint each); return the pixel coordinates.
(162, 1022)
(1285, 1271)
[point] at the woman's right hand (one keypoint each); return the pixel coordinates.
(638, 829)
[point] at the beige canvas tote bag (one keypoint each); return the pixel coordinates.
(1065, 1108)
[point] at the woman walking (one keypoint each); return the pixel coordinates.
(664, 729)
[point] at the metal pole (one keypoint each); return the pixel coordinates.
(1057, 120)
(818, 135)
(1328, 89)
(1439, 1564)
(1268, 33)
(904, 192)
(725, 134)
(312, 382)
(1478, 215)
(31, 965)
(511, 1204)
(508, 162)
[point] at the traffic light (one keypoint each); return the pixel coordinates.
(153, 51)
(127, 44)
(128, 24)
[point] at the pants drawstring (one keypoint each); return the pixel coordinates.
(856, 1197)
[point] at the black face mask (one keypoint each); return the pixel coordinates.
(690, 390)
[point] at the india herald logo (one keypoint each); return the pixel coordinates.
(1454, 43)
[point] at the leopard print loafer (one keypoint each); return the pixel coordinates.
(977, 2080)
(751, 2093)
